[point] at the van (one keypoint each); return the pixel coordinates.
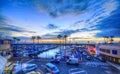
(74, 61)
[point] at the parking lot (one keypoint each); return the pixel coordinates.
(87, 66)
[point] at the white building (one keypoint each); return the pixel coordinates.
(110, 52)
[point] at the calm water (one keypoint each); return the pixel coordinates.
(49, 54)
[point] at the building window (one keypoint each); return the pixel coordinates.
(103, 50)
(113, 59)
(119, 61)
(114, 51)
(107, 51)
(100, 49)
(1, 42)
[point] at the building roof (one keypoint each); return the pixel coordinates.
(110, 46)
(5, 39)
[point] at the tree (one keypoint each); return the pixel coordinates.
(59, 37)
(38, 38)
(17, 40)
(111, 39)
(106, 39)
(65, 38)
(33, 38)
(14, 39)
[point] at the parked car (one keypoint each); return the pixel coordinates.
(52, 68)
(74, 61)
(29, 67)
(84, 53)
(102, 59)
(88, 57)
(55, 61)
(67, 57)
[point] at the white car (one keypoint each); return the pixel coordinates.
(74, 61)
(52, 68)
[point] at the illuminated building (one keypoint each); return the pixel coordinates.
(5, 46)
(110, 52)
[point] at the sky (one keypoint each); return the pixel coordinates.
(49, 18)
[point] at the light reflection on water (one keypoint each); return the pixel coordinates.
(49, 53)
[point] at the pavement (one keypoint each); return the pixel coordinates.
(114, 65)
(90, 67)
(93, 66)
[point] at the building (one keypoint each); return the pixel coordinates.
(110, 52)
(3, 62)
(5, 46)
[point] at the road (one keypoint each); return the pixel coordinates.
(91, 67)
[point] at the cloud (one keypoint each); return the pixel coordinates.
(6, 29)
(103, 17)
(49, 36)
(110, 26)
(51, 26)
(99, 18)
(57, 8)
(91, 17)
(85, 34)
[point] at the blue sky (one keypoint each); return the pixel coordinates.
(48, 18)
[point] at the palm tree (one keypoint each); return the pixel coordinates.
(59, 37)
(38, 38)
(65, 38)
(33, 38)
(106, 39)
(111, 39)
(14, 39)
(17, 40)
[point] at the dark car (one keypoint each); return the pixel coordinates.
(88, 57)
(55, 61)
(102, 59)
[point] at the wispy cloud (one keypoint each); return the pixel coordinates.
(57, 8)
(6, 29)
(51, 26)
(88, 17)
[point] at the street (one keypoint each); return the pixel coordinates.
(91, 67)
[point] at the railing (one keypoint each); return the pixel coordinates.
(57, 43)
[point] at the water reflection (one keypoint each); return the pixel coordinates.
(49, 53)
